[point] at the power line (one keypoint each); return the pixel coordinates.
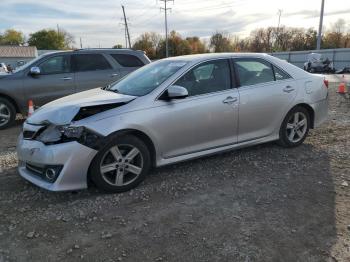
(127, 34)
(144, 22)
(214, 7)
(166, 24)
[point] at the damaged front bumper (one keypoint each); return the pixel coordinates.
(71, 160)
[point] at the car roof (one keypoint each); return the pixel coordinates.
(294, 71)
(200, 57)
(99, 50)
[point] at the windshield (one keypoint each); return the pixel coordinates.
(147, 78)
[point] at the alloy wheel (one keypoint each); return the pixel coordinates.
(121, 165)
(5, 114)
(296, 127)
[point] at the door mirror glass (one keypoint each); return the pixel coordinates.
(176, 92)
(34, 71)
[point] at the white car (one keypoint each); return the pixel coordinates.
(3, 68)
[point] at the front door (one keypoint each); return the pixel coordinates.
(266, 92)
(206, 119)
(55, 80)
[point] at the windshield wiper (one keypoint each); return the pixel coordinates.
(108, 88)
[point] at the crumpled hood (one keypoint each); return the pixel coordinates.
(62, 111)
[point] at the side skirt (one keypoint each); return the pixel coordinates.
(167, 161)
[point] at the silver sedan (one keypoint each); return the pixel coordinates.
(171, 110)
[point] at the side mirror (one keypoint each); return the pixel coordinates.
(176, 92)
(34, 71)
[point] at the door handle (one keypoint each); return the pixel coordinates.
(288, 89)
(66, 78)
(114, 75)
(230, 100)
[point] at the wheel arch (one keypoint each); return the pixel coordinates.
(137, 133)
(144, 137)
(13, 101)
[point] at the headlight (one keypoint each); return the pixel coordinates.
(54, 134)
(72, 131)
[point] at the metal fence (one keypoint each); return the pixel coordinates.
(340, 56)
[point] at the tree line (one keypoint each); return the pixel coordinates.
(270, 39)
(46, 39)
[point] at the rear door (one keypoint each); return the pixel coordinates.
(127, 62)
(56, 80)
(92, 70)
(266, 92)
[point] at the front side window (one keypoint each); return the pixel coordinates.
(127, 60)
(55, 65)
(147, 78)
(207, 78)
(254, 71)
(90, 62)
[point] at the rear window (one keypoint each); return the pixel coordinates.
(90, 62)
(128, 60)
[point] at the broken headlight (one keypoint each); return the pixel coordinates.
(61, 134)
(54, 134)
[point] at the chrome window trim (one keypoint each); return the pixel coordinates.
(190, 68)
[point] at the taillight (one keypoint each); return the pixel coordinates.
(326, 82)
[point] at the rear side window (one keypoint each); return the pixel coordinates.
(280, 74)
(254, 71)
(127, 60)
(90, 62)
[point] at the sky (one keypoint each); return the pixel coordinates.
(99, 22)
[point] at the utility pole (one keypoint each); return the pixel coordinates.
(279, 13)
(166, 25)
(320, 27)
(279, 17)
(126, 37)
(126, 27)
(81, 44)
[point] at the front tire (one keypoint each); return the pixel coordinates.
(295, 127)
(7, 113)
(121, 165)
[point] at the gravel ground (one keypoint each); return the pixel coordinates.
(263, 203)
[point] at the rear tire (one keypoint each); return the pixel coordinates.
(121, 165)
(295, 127)
(7, 113)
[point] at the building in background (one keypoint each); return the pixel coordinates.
(17, 55)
